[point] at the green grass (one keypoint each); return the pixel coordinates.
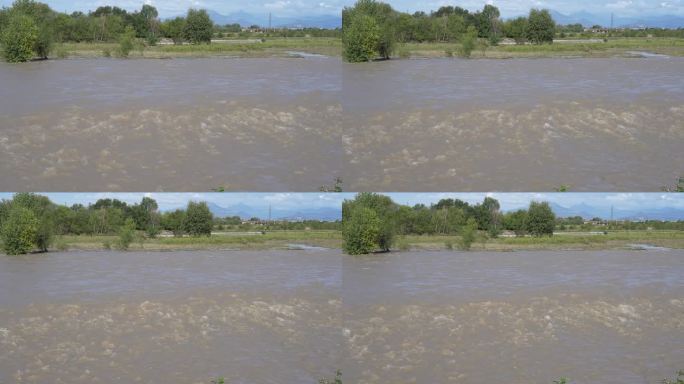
(613, 47)
(224, 240)
(271, 47)
(562, 240)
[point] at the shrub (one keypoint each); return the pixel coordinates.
(126, 234)
(449, 245)
(468, 41)
(19, 38)
(360, 39)
(361, 231)
(107, 52)
(19, 231)
(127, 41)
(468, 234)
(107, 245)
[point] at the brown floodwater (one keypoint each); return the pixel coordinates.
(172, 125)
(514, 125)
(296, 316)
(280, 124)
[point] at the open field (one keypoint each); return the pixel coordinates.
(576, 48)
(271, 47)
(333, 239)
(561, 240)
(219, 240)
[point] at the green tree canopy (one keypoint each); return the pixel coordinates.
(540, 26)
(361, 231)
(541, 221)
(360, 39)
(19, 38)
(198, 219)
(198, 26)
(19, 231)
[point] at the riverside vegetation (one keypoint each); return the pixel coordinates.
(374, 223)
(32, 30)
(374, 30)
(31, 222)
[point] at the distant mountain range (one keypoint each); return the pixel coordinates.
(588, 19)
(247, 19)
(589, 212)
(246, 212)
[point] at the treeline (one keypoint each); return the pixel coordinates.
(29, 29)
(372, 29)
(577, 223)
(372, 221)
(30, 222)
(235, 223)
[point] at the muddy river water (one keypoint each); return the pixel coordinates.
(282, 124)
(296, 316)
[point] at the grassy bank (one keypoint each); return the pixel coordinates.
(218, 240)
(561, 240)
(569, 48)
(272, 47)
(333, 239)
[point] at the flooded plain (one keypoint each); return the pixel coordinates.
(296, 316)
(294, 124)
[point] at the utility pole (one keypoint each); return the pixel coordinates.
(611, 20)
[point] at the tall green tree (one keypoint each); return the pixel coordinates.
(541, 221)
(468, 41)
(198, 219)
(540, 27)
(198, 27)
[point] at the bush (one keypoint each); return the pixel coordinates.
(540, 27)
(468, 41)
(360, 39)
(468, 234)
(19, 231)
(127, 41)
(126, 234)
(107, 245)
(107, 52)
(19, 38)
(449, 245)
(361, 231)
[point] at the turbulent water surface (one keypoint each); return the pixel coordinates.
(296, 316)
(296, 124)
(174, 125)
(514, 125)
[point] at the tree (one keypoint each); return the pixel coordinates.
(174, 222)
(384, 208)
(540, 26)
(126, 234)
(516, 222)
(198, 27)
(468, 41)
(541, 220)
(19, 38)
(19, 231)
(361, 231)
(198, 219)
(174, 29)
(360, 39)
(468, 233)
(516, 29)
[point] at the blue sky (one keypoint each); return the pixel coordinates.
(595, 203)
(290, 8)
